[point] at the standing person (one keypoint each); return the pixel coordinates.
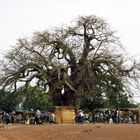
(7, 118)
(94, 117)
(81, 116)
(134, 118)
(101, 117)
(90, 117)
(13, 116)
(117, 115)
(51, 118)
(109, 118)
(38, 115)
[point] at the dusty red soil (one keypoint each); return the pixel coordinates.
(71, 132)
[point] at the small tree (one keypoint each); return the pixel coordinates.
(37, 100)
(8, 101)
(82, 60)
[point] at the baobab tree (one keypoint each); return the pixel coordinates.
(81, 60)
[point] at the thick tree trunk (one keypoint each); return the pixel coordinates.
(77, 103)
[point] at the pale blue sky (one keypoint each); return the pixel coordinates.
(20, 18)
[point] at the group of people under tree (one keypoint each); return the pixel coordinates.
(96, 116)
(27, 117)
(108, 116)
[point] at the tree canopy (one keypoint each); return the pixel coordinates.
(82, 60)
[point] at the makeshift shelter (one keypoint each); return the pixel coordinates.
(133, 112)
(64, 114)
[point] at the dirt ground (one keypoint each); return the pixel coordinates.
(71, 132)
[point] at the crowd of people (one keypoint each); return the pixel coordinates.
(27, 117)
(97, 116)
(107, 116)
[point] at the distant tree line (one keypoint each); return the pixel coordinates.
(39, 100)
